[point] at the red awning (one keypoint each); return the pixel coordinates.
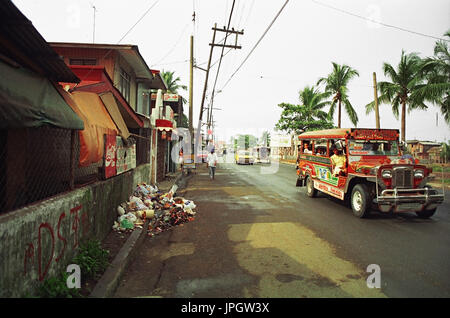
(163, 124)
(95, 79)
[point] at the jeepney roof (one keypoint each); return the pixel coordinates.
(337, 133)
(326, 133)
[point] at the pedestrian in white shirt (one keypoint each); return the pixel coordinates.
(212, 163)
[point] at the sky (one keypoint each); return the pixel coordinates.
(297, 50)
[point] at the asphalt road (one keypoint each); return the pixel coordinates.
(257, 235)
(413, 254)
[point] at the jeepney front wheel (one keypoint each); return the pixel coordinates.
(360, 200)
(310, 190)
(426, 213)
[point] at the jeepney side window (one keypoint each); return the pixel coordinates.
(321, 147)
(306, 147)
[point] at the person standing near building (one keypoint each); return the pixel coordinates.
(211, 161)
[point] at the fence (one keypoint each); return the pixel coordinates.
(37, 163)
(34, 165)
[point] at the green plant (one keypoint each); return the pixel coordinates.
(56, 287)
(92, 259)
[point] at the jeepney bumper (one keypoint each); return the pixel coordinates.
(409, 200)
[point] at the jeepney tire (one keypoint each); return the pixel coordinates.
(425, 214)
(360, 200)
(310, 190)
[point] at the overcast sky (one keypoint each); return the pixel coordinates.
(297, 50)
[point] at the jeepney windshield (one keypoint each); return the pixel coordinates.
(373, 147)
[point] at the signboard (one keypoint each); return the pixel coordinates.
(335, 192)
(126, 156)
(167, 97)
(280, 141)
(170, 97)
(110, 156)
(375, 134)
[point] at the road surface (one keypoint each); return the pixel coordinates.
(257, 235)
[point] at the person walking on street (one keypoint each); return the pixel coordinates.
(211, 161)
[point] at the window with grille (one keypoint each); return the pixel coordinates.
(124, 84)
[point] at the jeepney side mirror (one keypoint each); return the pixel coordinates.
(403, 146)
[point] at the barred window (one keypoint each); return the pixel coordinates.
(124, 84)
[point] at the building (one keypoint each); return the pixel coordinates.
(426, 151)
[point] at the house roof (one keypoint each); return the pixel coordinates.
(21, 42)
(128, 51)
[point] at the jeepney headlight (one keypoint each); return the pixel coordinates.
(386, 173)
(419, 173)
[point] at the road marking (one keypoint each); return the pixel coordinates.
(273, 249)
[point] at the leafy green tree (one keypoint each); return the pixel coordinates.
(406, 88)
(436, 70)
(445, 152)
(306, 116)
(172, 83)
(336, 84)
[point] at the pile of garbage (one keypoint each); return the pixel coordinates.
(148, 202)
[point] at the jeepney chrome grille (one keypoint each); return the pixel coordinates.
(402, 177)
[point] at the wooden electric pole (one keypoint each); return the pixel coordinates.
(207, 74)
(223, 46)
(377, 114)
(191, 106)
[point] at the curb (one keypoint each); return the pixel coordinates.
(110, 280)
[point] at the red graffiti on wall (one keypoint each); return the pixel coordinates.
(62, 238)
(49, 228)
(44, 265)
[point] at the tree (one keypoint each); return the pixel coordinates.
(336, 84)
(172, 83)
(436, 70)
(445, 152)
(406, 88)
(306, 116)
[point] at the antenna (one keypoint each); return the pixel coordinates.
(93, 32)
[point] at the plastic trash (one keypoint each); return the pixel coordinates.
(126, 224)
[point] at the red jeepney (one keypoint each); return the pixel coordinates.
(372, 171)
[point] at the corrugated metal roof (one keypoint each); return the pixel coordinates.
(21, 41)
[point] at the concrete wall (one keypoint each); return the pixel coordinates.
(40, 240)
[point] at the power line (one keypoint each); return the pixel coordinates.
(173, 48)
(145, 13)
(110, 50)
(221, 56)
(254, 47)
(378, 22)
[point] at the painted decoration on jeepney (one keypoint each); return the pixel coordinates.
(126, 156)
(324, 174)
(110, 156)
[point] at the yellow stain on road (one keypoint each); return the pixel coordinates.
(292, 261)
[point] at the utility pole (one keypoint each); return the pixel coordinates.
(207, 73)
(223, 46)
(377, 114)
(191, 107)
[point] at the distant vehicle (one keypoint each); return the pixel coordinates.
(368, 169)
(244, 156)
(262, 154)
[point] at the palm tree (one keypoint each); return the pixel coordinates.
(336, 84)
(406, 87)
(436, 69)
(172, 83)
(308, 115)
